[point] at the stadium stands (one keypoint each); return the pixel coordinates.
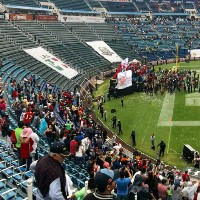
(29, 3)
(130, 37)
(71, 4)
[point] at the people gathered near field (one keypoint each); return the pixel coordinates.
(60, 118)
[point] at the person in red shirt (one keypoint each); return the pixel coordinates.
(73, 145)
(2, 107)
(185, 176)
(162, 189)
(14, 94)
(26, 147)
(27, 118)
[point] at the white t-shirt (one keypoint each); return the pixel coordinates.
(79, 153)
(85, 143)
(36, 139)
(117, 148)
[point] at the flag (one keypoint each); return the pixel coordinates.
(124, 64)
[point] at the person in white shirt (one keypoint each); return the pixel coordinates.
(79, 155)
(35, 139)
(117, 147)
(86, 143)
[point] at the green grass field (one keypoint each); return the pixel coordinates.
(141, 112)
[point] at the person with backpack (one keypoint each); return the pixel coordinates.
(138, 191)
(26, 147)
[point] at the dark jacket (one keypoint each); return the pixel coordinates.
(47, 170)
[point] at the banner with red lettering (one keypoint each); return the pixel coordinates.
(46, 18)
(18, 17)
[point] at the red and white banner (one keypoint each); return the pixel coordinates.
(124, 79)
(46, 18)
(51, 61)
(88, 19)
(18, 17)
(105, 51)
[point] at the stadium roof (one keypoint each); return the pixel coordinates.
(79, 11)
(126, 13)
(172, 14)
(28, 8)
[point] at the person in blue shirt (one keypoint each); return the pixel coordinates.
(122, 184)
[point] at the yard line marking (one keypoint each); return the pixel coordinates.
(179, 123)
(170, 131)
(166, 112)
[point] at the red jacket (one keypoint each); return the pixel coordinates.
(26, 148)
(27, 117)
(73, 145)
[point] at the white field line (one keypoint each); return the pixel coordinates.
(170, 131)
(166, 113)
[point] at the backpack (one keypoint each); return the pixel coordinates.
(13, 138)
(24, 140)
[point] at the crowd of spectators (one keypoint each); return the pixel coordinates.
(162, 30)
(112, 174)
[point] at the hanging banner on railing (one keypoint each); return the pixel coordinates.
(51, 61)
(46, 18)
(104, 50)
(87, 19)
(18, 17)
(195, 53)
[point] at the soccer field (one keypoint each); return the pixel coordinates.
(172, 118)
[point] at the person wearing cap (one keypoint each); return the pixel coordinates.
(105, 183)
(50, 174)
(26, 147)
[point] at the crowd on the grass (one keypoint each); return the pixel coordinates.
(171, 81)
(112, 174)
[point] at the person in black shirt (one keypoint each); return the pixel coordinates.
(162, 148)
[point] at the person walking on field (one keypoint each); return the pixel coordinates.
(152, 138)
(162, 148)
(105, 115)
(133, 138)
(114, 121)
(119, 126)
(122, 102)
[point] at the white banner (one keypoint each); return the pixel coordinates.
(51, 61)
(104, 50)
(124, 79)
(195, 53)
(88, 19)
